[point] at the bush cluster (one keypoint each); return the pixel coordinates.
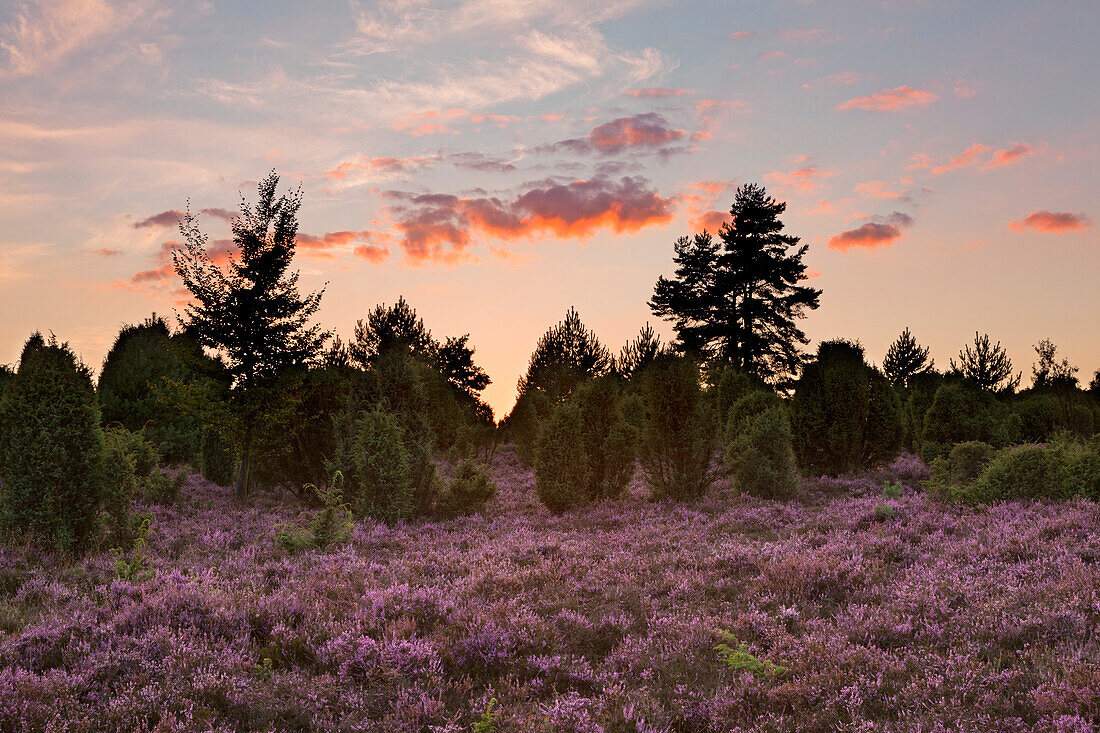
(758, 447)
(52, 459)
(844, 414)
(977, 473)
(678, 441)
(468, 490)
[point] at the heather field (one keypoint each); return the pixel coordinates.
(827, 612)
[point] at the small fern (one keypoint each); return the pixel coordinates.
(332, 524)
(489, 719)
(134, 565)
(737, 657)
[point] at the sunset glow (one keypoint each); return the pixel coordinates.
(499, 162)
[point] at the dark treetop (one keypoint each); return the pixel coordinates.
(738, 298)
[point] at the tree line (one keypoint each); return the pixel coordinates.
(246, 389)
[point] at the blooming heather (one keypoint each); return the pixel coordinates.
(930, 617)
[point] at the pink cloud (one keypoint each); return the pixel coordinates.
(382, 164)
(873, 234)
(842, 78)
(656, 93)
(1011, 155)
(1055, 222)
(878, 190)
(890, 100)
(439, 227)
(327, 245)
(172, 217)
(965, 159)
(803, 179)
(645, 130)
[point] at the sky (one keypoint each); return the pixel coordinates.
(498, 162)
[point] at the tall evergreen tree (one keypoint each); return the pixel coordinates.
(738, 299)
(566, 355)
(455, 360)
(251, 313)
(904, 359)
(986, 366)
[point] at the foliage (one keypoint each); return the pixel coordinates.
(468, 491)
(758, 448)
(960, 413)
(962, 465)
(678, 442)
(566, 355)
(1059, 472)
(487, 723)
(163, 487)
(905, 359)
(52, 457)
(391, 328)
(131, 388)
(844, 413)
(561, 466)
(1048, 372)
(739, 298)
(730, 385)
(638, 353)
(296, 432)
(217, 462)
(609, 440)
(134, 565)
(372, 456)
(129, 463)
(455, 361)
(986, 367)
(251, 313)
(891, 490)
(330, 525)
(522, 424)
(736, 656)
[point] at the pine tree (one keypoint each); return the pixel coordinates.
(738, 299)
(566, 355)
(639, 352)
(387, 328)
(251, 313)
(988, 367)
(904, 359)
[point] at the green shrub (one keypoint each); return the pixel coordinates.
(522, 424)
(133, 565)
(1056, 472)
(844, 414)
(163, 487)
(730, 386)
(609, 440)
(131, 386)
(959, 414)
(758, 449)
(1037, 418)
(922, 391)
(129, 462)
(468, 491)
(678, 443)
(52, 458)
(372, 456)
(632, 407)
(735, 655)
(960, 467)
(561, 467)
(332, 524)
(218, 464)
(891, 490)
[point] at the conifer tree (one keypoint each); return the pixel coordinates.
(566, 355)
(904, 359)
(738, 299)
(987, 367)
(639, 352)
(251, 312)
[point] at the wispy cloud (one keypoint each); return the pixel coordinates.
(890, 100)
(806, 178)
